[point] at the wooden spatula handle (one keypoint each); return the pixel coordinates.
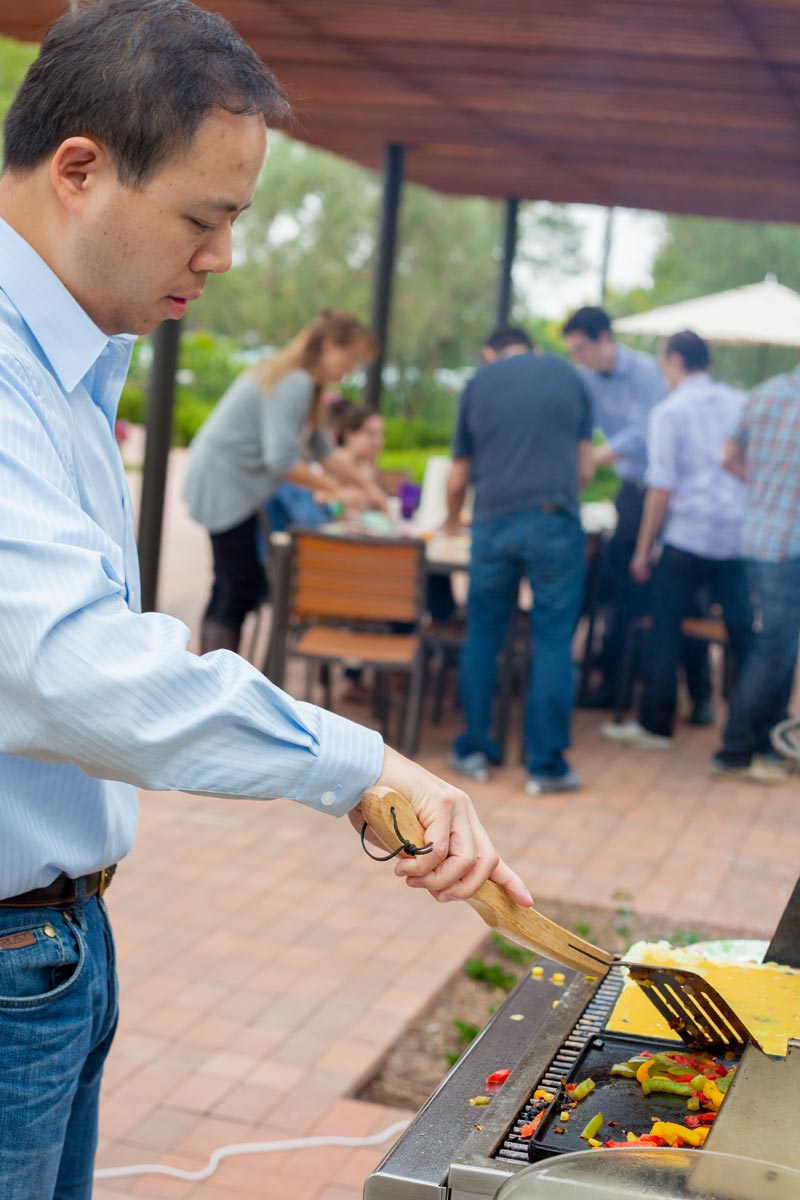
(495, 906)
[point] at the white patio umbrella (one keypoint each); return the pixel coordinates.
(760, 314)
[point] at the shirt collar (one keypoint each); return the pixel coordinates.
(700, 379)
(67, 335)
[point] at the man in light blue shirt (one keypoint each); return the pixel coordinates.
(625, 385)
(695, 509)
(134, 143)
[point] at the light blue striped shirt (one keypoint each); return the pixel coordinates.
(97, 699)
(623, 400)
(686, 438)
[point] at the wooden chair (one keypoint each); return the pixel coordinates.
(706, 629)
(345, 594)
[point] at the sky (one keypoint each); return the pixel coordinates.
(636, 238)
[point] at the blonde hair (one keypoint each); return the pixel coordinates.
(303, 352)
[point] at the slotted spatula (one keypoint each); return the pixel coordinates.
(695, 1010)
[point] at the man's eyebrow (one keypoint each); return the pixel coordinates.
(227, 206)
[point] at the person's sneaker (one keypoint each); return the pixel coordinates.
(768, 772)
(631, 733)
(545, 785)
(702, 713)
(474, 766)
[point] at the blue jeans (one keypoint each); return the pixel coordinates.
(764, 689)
(58, 1013)
(547, 549)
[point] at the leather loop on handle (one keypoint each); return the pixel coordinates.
(376, 805)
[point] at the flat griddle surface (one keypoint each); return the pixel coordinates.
(620, 1100)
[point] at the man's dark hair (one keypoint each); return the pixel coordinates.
(508, 335)
(138, 76)
(590, 321)
(691, 348)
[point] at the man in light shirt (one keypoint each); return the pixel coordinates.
(694, 508)
(133, 144)
(625, 385)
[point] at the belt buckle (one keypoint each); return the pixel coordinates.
(103, 884)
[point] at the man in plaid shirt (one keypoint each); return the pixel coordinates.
(765, 452)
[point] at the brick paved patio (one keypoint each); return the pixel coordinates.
(266, 964)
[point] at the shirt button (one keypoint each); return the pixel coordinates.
(328, 798)
(48, 931)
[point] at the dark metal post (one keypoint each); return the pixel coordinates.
(384, 268)
(161, 398)
(509, 250)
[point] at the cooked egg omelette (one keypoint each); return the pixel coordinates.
(765, 995)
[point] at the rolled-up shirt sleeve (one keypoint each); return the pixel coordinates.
(662, 451)
(87, 681)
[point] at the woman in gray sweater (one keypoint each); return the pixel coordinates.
(261, 433)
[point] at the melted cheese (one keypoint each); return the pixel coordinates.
(766, 997)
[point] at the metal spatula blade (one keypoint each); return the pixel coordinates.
(692, 1007)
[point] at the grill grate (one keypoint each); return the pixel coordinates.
(591, 1022)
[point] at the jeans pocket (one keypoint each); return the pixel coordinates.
(41, 957)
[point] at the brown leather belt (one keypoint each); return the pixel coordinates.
(61, 892)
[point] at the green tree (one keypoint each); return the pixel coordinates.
(15, 58)
(701, 256)
(309, 242)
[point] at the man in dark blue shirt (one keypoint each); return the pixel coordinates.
(523, 440)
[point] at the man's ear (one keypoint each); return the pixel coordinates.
(76, 167)
(488, 354)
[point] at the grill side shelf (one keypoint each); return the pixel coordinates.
(591, 1022)
(497, 1144)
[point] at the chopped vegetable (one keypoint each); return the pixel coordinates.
(666, 1085)
(557, 977)
(479, 1101)
(593, 1142)
(623, 1070)
(582, 1089)
(529, 1129)
(675, 1134)
(564, 1116)
(643, 1071)
(591, 1127)
(498, 1078)
(712, 1093)
(537, 972)
(543, 1094)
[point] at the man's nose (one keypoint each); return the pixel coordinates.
(216, 254)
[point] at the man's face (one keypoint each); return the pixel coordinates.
(141, 255)
(597, 355)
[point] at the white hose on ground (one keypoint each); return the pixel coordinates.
(310, 1143)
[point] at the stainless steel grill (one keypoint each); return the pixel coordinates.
(453, 1151)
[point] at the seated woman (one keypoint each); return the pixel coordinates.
(254, 439)
(361, 438)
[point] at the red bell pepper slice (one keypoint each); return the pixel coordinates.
(498, 1078)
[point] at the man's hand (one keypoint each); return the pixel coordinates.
(603, 455)
(640, 566)
(451, 528)
(463, 856)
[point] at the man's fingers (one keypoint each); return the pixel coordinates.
(511, 883)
